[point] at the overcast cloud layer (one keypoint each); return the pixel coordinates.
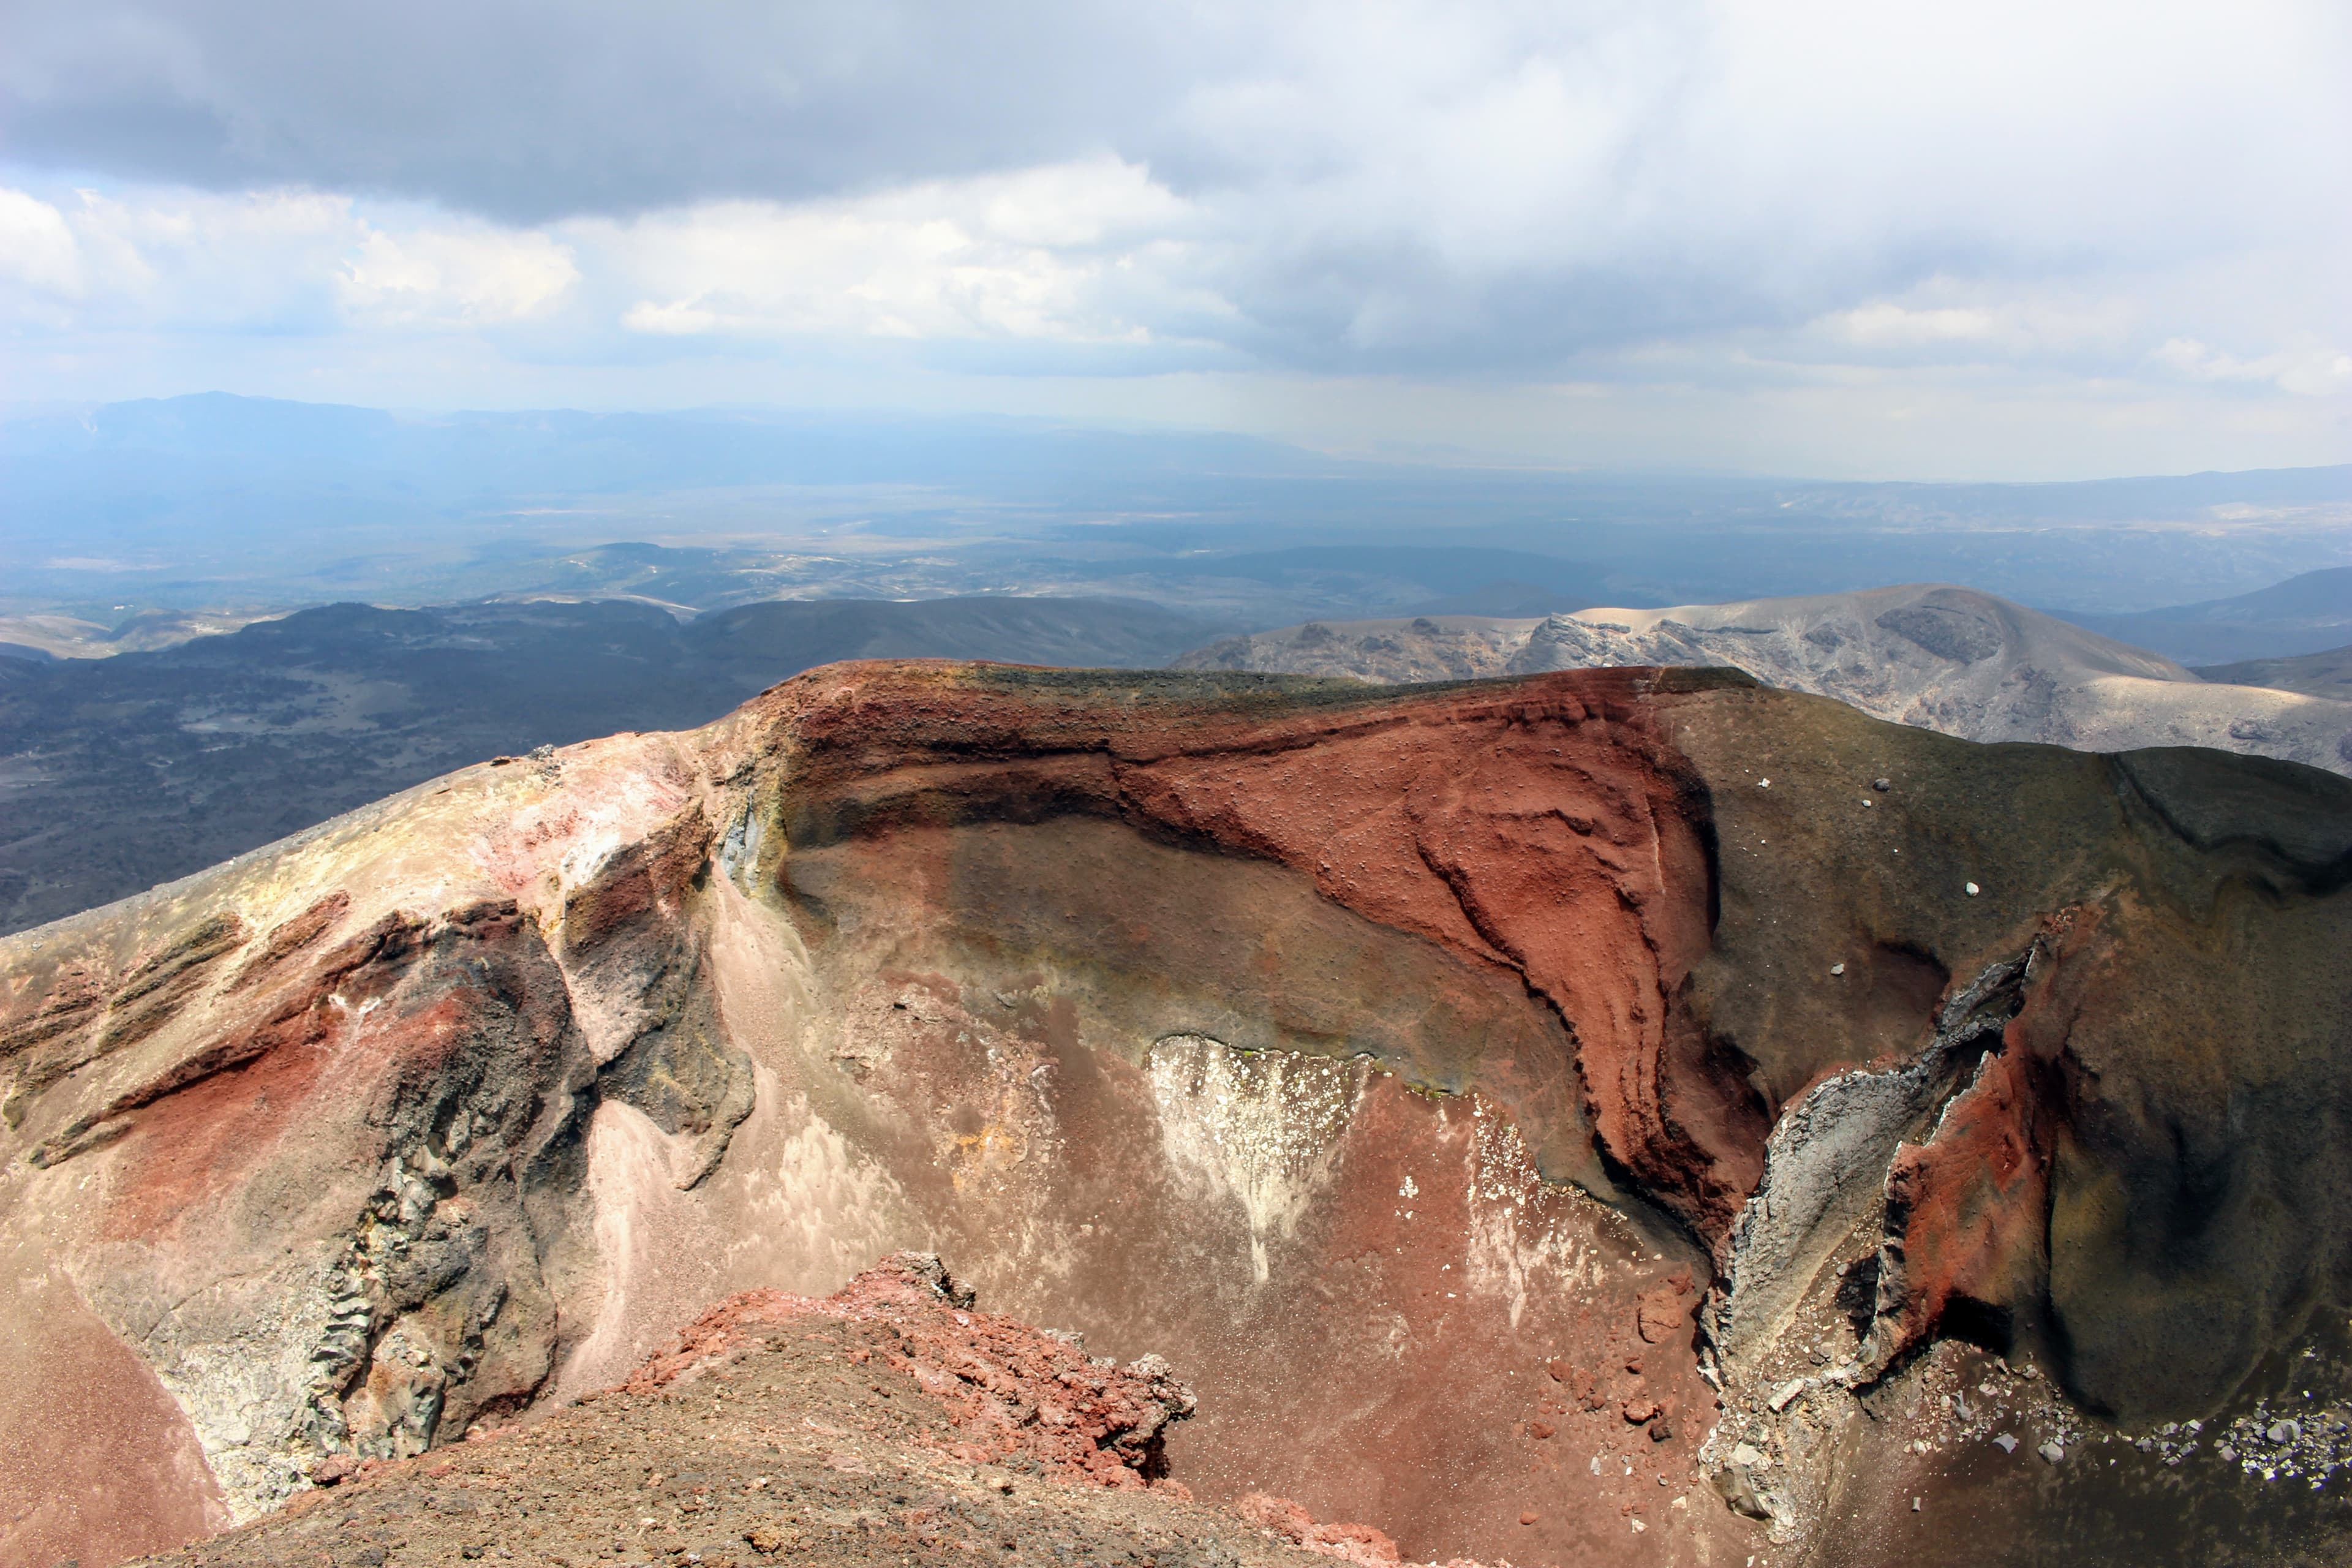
(1990, 239)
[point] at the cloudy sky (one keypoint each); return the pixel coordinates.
(1981, 240)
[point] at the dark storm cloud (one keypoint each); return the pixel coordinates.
(532, 111)
(1497, 186)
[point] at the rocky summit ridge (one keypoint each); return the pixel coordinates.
(1941, 657)
(1634, 1114)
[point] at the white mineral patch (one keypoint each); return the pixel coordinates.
(1261, 1129)
(821, 1210)
(1525, 1239)
(236, 1357)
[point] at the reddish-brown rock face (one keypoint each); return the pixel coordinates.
(1544, 832)
(1532, 1115)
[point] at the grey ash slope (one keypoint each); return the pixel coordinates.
(1940, 658)
(122, 773)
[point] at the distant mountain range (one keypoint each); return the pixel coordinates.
(214, 502)
(123, 771)
(2310, 613)
(1944, 659)
(2325, 674)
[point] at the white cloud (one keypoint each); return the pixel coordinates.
(195, 261)
(1084, 252)
(178, 260)
(455, 277)
(2073, 321)
(37, 248)
(2307, 370)
(1492, 186)
(1885, 324)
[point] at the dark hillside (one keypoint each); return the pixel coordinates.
(122, 773)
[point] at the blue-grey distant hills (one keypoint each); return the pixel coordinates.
(2308, 614)
(215, 502)
(2327, 673)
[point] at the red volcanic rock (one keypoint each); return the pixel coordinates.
(1279, 1514)
(1358, 1544)
(1967, 1205)
(1966, 1211)
(1664, 1313)
(1546, 829)
(1355, 1543)
(1012, 1391)
(1580, 1382)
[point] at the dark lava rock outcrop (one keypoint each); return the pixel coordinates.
(1627, 1113)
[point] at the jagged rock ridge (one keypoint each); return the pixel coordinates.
(1944, 658)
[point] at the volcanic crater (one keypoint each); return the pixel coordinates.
(1623, 1115)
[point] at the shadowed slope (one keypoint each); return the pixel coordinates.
(2326, 674)
(125, 772)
